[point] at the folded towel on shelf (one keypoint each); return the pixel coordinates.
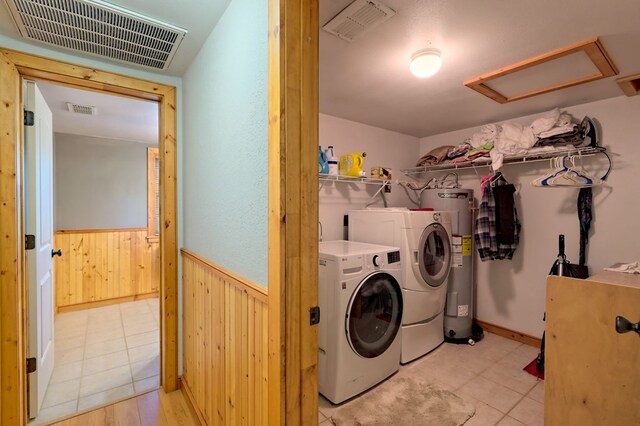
(627, 268)
(458, 160)
(479, 151)
(435, 156)
(459, 150)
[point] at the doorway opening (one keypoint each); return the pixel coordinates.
(17, 67)
(92, 178)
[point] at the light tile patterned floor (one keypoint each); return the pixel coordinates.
(101, 355)
(489, 375)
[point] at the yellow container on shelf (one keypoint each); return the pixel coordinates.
(352, 164)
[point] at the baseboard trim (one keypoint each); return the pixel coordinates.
(184, 388)
(509, 334)
(107, 302)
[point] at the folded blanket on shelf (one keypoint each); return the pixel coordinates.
(558, 130)
(514, 139)
(435, 156)
(574, 137)
(546, 122)
(487, 135)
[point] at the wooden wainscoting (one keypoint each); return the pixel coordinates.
(225, 332)
(102, 266)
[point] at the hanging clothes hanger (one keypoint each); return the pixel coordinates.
(552, 168)
(565, 175)
(498, 178)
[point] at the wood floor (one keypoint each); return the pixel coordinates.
(155, 408)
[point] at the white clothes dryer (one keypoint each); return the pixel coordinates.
(424, 238)
(361, 307)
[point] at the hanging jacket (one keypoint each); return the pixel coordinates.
(491, 245)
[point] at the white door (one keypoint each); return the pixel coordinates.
(39, 222)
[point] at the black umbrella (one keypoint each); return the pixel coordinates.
(561, 267)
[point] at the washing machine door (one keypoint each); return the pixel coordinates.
(434, 255)
(374, 315)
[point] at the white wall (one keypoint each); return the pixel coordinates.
(511, 294)
(383, 148)
(225, 149)
(99, 183)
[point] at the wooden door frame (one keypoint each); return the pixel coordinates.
(293, 211)
(12, 329)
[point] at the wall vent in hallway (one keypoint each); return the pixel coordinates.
(81, 109)
(98, 28)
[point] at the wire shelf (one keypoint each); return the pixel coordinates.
(527, 158)
(349, 179)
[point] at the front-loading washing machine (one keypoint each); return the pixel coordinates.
(424, 238)
(361, 308)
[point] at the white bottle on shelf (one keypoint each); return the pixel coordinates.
(332, 159)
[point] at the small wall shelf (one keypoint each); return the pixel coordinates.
(383, 184)
(418, 172)
(349, 179)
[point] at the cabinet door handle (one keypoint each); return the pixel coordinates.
(56, 252)
(623, 325)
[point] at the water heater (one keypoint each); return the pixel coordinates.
(458, 320)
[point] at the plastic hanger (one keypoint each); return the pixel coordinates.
(564, 175)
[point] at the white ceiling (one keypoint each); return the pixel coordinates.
(198, 17)
(368, 80)
(117, 117)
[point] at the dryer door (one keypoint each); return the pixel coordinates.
(434, 255)
(374, 315)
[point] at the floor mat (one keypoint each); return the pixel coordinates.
(404, 400)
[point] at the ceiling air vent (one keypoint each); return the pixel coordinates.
(98, 28)
(81, 109)
(357, 18)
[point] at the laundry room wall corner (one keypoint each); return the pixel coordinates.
(383, 147)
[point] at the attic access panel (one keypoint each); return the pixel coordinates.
(630, 84)
(602, 66)
(99, 29)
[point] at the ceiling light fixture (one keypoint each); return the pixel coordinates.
(425, 63)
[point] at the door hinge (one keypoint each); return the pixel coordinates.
(29, 242)
(28, 118)
(31, 365)
(314, 315)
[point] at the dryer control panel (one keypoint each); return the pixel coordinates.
(393, 257)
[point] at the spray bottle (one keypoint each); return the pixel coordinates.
(332, 159)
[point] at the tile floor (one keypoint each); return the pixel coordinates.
(101, 355)
(488, 375)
